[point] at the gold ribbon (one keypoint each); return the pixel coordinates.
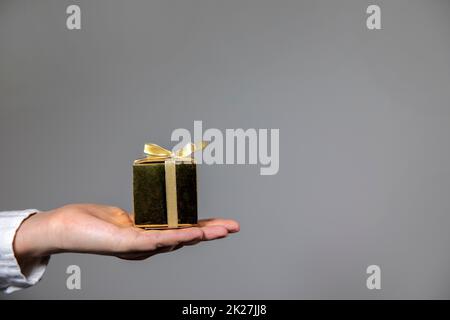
(156, 153)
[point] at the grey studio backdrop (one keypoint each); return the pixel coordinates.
(364, 119)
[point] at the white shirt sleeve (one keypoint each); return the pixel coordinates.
(12, 278)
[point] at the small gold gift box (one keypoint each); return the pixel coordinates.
(165, 188)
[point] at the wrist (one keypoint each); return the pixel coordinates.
(33, 238)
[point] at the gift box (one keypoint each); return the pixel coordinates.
(165, 188)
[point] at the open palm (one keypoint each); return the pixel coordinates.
(100, 229)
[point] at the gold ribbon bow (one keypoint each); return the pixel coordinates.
(157, 153)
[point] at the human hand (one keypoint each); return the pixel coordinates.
(105, 230)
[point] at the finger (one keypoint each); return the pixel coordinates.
(156, 239)
(214, 232)
(118, 216)
(231, 225)
(115, 215)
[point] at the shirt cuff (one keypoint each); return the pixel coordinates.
(12, 278)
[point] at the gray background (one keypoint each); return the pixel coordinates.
(364, 120)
